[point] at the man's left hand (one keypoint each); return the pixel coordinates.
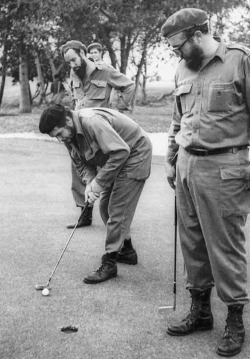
(95, 187)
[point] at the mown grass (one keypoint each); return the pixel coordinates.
(153, 117)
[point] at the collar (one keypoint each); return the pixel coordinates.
(77, 124)
(221, 51)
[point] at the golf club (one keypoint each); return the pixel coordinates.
(162, 309)
(42, 287)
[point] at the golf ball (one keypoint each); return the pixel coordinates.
(45, 292)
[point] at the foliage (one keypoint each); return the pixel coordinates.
(128, 29)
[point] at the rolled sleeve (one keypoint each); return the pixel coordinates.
(125, 88)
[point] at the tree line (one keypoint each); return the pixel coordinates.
(32, 32)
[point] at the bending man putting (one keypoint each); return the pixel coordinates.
(105, 138)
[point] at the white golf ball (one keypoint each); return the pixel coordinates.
(45, 292)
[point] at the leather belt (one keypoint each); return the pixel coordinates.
(216, 151)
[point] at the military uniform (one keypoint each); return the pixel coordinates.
(95, 92)
(110, 140)
(212, 114)
(210, 132)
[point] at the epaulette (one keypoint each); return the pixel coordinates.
(242, 48)
(103, 65)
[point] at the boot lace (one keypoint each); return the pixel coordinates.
(103, 264)
(233, 328)
(194, 311)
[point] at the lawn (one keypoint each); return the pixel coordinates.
(153, 117)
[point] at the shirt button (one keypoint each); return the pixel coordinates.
(198, 93)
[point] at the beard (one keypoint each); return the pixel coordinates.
(195, 58)
(81, 71)
(71, 134)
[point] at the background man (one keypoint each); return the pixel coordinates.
(91, 85)
(210, 130)
(95, 51)
(108, 139)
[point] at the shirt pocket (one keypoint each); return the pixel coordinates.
(235, 198)
(221, 97)
(98, 90)
(182, 92)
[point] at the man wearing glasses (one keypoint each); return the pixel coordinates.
(210, 131)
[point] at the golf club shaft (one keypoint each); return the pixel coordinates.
(161, 309)
(71, 235)
(175, 248)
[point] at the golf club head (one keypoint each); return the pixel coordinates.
(168, 307)
(41, 287)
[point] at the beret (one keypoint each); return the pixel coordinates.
(51, 117)
(95, 45)
(182, 20)
(73, 44)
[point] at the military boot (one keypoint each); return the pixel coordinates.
(127, 254)
(234, 335)
(200, 316)
(85, 220)
(107, 270)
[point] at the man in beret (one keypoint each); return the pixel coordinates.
(107, 139)
(211, 175)
(95, 51)
(91, 84)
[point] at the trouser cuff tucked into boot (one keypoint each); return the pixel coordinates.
(234, 334)
(200, 316)
(107, 270)
(127, 254)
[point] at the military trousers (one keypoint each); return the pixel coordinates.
(117, 207)
(212, 207)
(77, 187)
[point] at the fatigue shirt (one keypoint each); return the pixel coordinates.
(212, 105)
(95, 91)
(110, 140)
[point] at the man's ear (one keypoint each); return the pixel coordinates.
(82, 53)
(69, 121)
(198, 35)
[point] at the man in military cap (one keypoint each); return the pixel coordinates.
(91, 85)
(95, 51)
(211, 175)
(108, 139)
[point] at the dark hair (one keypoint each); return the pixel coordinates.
(53, 116)
(202, 28)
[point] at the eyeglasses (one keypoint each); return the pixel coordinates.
(178, 48)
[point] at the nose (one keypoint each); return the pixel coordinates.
(72, 65)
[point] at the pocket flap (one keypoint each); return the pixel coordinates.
(99, 83)
(231, 172)
(183, 89)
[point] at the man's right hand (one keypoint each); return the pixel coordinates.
(171, 174)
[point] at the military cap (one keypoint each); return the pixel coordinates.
(73, 44)
(51, 117)
(95, 45)
(182, 20)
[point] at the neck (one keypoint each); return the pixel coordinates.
(211, 47)
(90, 67)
